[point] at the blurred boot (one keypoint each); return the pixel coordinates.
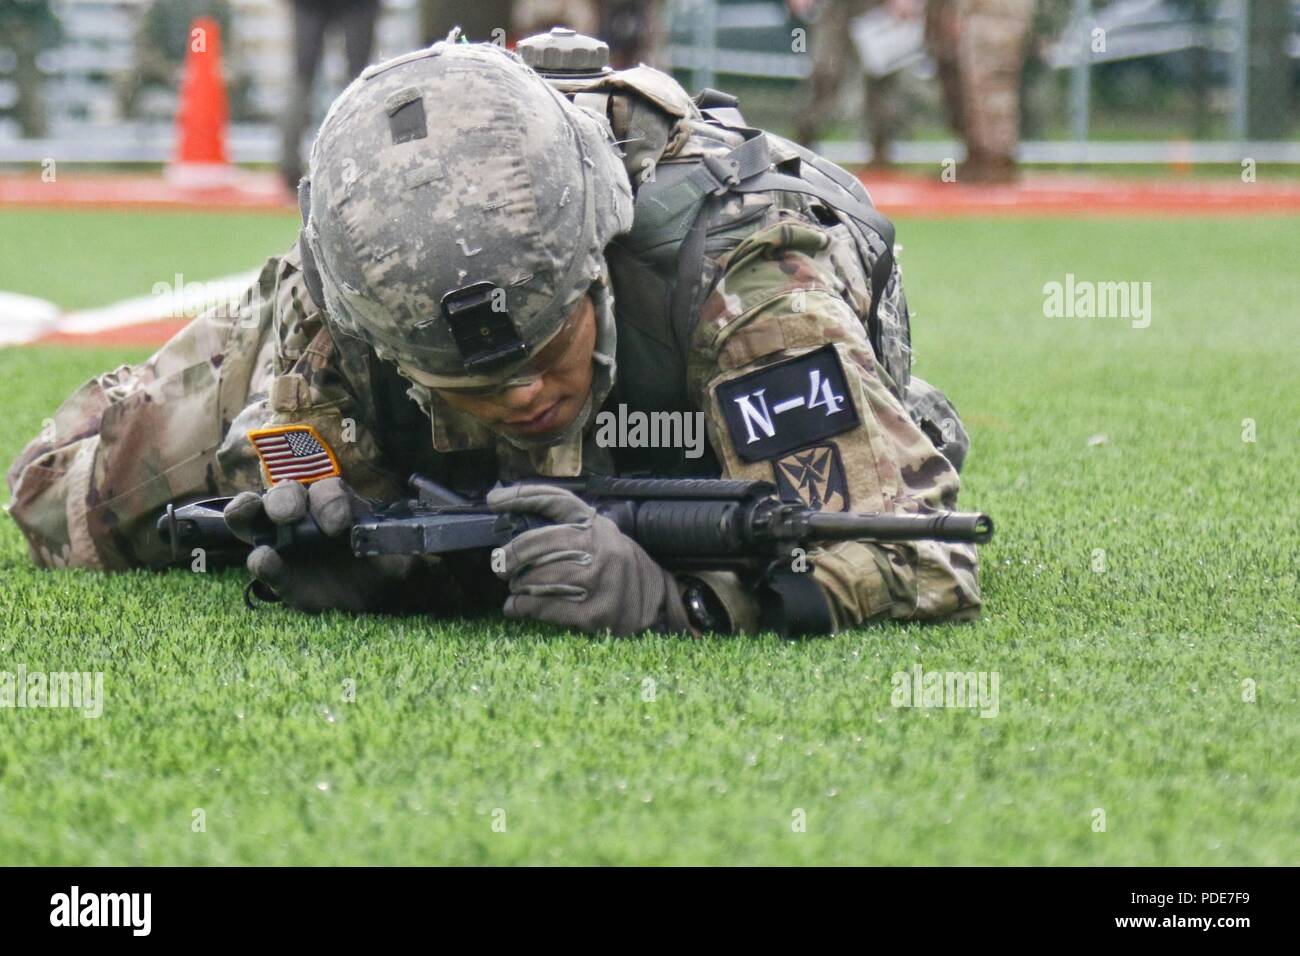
(991, 54)
(942, 33)
(884, 118)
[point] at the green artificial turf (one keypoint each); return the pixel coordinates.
(1120, 690)
(81, 260)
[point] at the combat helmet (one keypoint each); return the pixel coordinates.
(458, 208)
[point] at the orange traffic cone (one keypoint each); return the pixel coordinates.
(201, 159)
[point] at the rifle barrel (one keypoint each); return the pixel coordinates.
(949, 526)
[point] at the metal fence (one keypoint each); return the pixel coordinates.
(715, 42)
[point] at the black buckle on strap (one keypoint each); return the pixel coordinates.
(725, 173)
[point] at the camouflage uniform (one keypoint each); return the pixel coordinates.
(781, 280)
(979, 48)
(88, 490)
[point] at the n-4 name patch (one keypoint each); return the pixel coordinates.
(788, 405)
(294, 453)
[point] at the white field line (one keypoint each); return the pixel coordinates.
(24, 318)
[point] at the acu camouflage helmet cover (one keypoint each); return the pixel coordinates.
(459, 207)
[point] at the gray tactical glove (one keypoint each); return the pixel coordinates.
(327, 576)
(582, 572)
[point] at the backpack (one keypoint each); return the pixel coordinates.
(675, 208)
(658, 268)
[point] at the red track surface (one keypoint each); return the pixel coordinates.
(248, 191)
(144, 335)
(897, 194)
(1046, 194)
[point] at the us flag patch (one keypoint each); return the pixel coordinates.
(294, 453)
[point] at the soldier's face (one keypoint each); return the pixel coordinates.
(549, 401)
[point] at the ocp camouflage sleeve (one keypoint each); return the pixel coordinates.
(88, 490)
(786, 293)
(324, 380)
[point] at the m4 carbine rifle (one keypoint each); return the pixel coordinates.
(685, 524)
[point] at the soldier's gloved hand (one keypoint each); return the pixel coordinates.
(582, 572)
(324, 576)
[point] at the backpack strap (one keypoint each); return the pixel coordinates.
(748, 169)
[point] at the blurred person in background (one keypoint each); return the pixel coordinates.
(26, 28)
(979, 50)
(835, 58)
(630, 27)
(311, 19)
(162, 39)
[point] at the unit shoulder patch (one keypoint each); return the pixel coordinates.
(787, 406)
(813, 476)
(294, 453)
